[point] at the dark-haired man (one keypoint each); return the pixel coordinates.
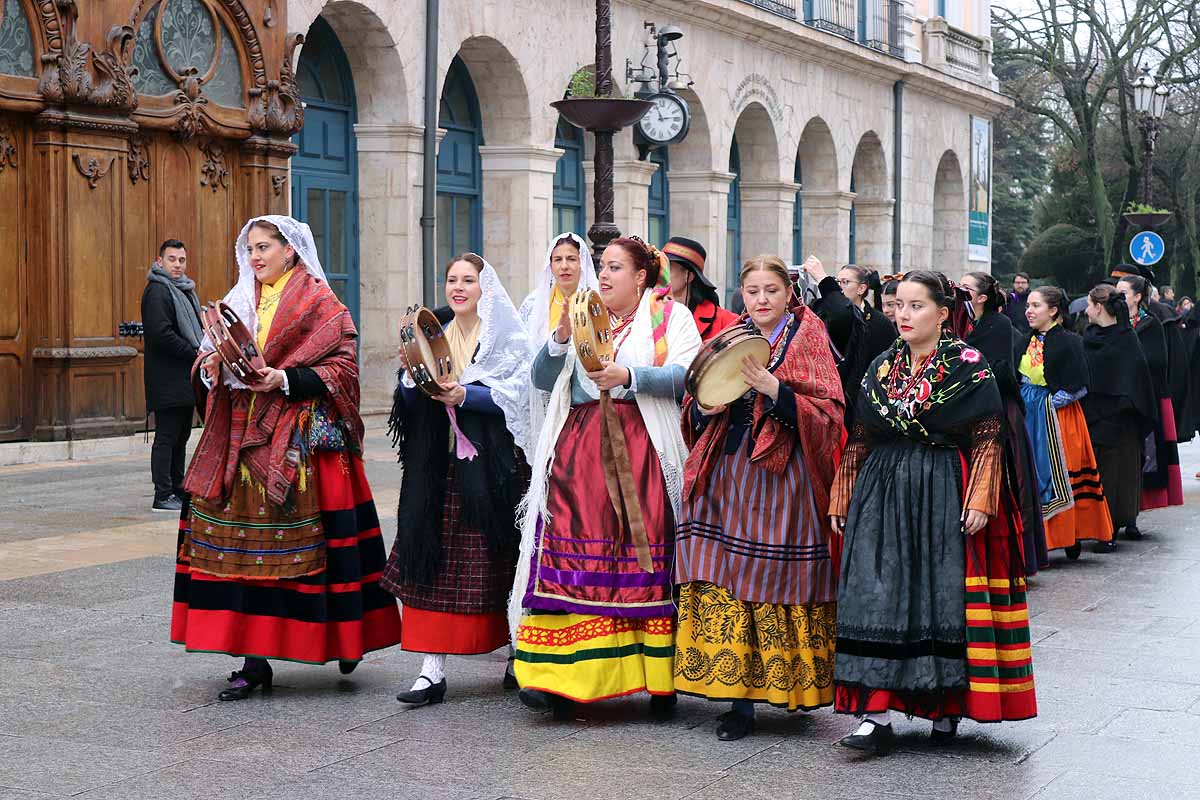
(171, 317)
(1014, 305)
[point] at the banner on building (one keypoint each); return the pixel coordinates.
(979, 237)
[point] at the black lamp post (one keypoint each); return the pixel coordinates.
(1150, 103)
(603, 115)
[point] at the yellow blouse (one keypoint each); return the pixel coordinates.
(556, 304)
(268, 303)
(1033, 361)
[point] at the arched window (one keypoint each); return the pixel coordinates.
(325, 167)
(659, 206)
(568, 181)
(189, 36)
(733, 230)
(16, 40)
(798, 219)
(459, 170)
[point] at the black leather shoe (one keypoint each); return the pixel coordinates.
(510, 680)
(1132, 533)
(944, 737)
(734, 726)
(878, 742)
(1107, 547)
(346, 667)
(662, 706)
(547, 703)
(428, 695)
(247, 681)
(1073, 551)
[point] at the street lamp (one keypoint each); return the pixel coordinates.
(1150, 103)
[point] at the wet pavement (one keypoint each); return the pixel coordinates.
(95, 703)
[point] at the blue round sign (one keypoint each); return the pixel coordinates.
(1147, 248)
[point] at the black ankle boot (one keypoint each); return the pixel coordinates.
(254, 673)
(662, 706)
(943, 737)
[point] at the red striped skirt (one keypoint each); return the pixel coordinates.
(338, 614)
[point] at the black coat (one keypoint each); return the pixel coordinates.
(1066, 365)
(1014, 309)
(169, 355)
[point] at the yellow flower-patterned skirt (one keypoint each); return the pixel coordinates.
(729, 649)
(586, 657)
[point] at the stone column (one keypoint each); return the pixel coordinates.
(631, 194)
(518, 210)
(909, 28)
(389, 248)
(699, 206)
(873, 233)
(827, 226)
(767, 209)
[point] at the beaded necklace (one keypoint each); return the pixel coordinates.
(900, 381)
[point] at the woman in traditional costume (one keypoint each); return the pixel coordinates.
(1120, 409)
(993, 335)
(756, 609)
(568, 269)
(1054, 376)
(597, 583)
(932, 620)
(856, 283)
(457, 539)
(888, 293)
(280, 550)
(1162, 484)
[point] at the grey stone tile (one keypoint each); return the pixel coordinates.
(1170, 762)
(459, 766)
(776, 787)
(127, 727)
(1148, 725)
(1078, 785)
(194, 779)
(61, 767)
(284, 747)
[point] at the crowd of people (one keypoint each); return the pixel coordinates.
(855, 530)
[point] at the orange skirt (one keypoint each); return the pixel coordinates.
(1088, 519)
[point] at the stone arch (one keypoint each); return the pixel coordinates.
(517, 167)
(387, 142)
(695, 153)
(825, 207)
(949, 239)
(871, 209)
(762, 202)
(503, 93)
(374, 60)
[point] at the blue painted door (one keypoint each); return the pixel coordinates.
(325, 170)
(733, 229)
(659, 210)
(459, 172)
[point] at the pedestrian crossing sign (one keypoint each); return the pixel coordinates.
(1147, 248)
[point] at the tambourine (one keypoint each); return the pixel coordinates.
(233, 341)
(592, 329)
(715, 376)
(424, 351)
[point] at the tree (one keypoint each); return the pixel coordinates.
(1021, 167)
(1079, 55)
(1062, 255)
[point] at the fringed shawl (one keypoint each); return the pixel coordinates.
(311, 329)
(808, 369)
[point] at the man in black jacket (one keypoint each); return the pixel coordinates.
(1014, 304)
(171, 317)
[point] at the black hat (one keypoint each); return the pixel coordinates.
(690, 254)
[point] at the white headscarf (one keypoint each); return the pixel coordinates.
(502, 358)
(535, 314)
(241, 297)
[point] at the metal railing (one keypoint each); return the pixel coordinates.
(784, 8)
(879, 26)
(834, 16)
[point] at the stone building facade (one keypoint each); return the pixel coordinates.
(792, 148)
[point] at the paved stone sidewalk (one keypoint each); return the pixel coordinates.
(95, 703)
